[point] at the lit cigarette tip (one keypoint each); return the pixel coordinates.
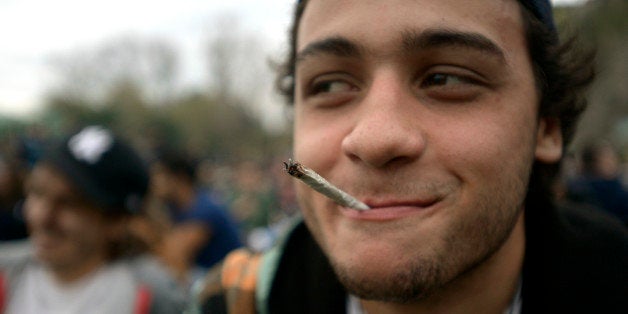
(318, 183)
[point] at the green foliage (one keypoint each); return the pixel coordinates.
(603, 26)
(196, 123)
(9, 127)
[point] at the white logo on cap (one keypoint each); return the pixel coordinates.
(90, 144)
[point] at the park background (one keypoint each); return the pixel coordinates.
(206, 86)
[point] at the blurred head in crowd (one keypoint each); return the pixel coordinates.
(78, 199)
(600, 159)
(170, 172)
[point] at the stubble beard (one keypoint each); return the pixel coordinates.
(469, 242)
(76, 250)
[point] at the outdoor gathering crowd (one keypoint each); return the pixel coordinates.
(450, 122)
(97, 211)
(181, 216)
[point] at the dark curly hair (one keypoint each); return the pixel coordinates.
(562, 71)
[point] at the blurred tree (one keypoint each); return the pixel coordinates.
(65, 113)
(9, 127)
(214, 129)
(91, 74)
(603, 24)
(239, 69)
(112, 85)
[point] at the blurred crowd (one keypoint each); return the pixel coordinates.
(597, 176)
(197, 210)
(193, 212)
(256, 193)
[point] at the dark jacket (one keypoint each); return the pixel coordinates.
(576, 261)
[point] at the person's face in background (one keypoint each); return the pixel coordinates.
(161, 181)
(68, 232)
(607, 164)
(427, 112)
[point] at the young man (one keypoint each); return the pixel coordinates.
(202, 231)
(448, 118)
(79, 201)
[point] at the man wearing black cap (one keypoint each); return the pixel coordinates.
(79, 199)
(447, 118)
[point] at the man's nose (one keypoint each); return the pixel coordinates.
(386, 130)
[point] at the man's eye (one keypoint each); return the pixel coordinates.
(441, 79)
(450, 87)
(331, 87)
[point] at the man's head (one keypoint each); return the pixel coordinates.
(434, 113)
(600, 159)
(562, 73)
(171, 170)
(77, 198)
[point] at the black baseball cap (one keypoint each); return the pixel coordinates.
(102, 166)
(542, 10)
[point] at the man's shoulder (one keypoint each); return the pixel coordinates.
(592, 228)
(15, 253)
(242, 280)
(231, 286)
(576, 260)
(165, 294)
(15, 259)
(590, 239)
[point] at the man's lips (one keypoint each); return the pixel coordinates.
(382, 210)
(382, 204)
(46, 239)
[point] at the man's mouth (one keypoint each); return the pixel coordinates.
(46, 238)
(383, 210)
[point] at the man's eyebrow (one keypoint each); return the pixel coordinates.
(337, 46)
(435, 38)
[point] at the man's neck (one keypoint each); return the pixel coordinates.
(489, 288)
(70, 274)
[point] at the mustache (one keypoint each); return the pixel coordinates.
(420, 188)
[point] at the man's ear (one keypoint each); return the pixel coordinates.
(549, 141)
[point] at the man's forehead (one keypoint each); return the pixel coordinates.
(45, 174)
(541, 9)
(408, 43)
(55, 183)
(411, 23)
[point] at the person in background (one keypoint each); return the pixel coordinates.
(12, 227)
(600, 182)
(202, 231)
(449, 119)
(80, 197)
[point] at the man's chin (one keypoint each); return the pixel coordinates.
(392, 284)
(395, 289)
(46, 256)
(47, 250)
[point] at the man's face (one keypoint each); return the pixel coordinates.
(161, 181)
(66, 230)
(426, 111)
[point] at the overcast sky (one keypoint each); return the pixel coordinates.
(31, 31)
